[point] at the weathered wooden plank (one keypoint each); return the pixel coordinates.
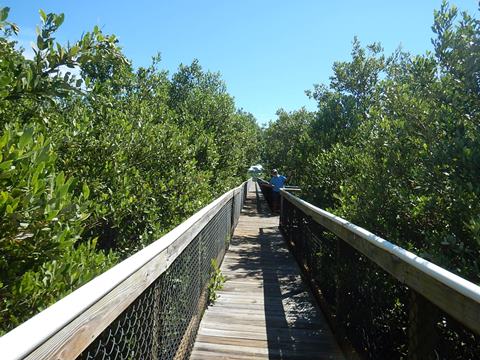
(204, 355)
(264, 310)
(297, 335)
(324, 333)
(277, 311)
(284, 351)
(272, 322)
(260, 343)
(239, 341)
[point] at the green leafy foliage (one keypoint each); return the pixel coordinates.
(394, 147)
(217, 279)
(97, 160)
(42, 221)
(394, 144)
(39, 288)
(285, 141)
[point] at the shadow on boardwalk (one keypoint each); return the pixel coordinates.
(264, 310)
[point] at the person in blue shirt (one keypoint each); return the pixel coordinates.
(277, 182)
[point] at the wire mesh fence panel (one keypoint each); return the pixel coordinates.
(381, 317)
(163, 321)
(457, 341)
(244, 192)
(237, 206)
(266, 191)
(321, 257)
(131, 335)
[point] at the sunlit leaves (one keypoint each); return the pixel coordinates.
(95, 166)
(395, 142)
(4, 13)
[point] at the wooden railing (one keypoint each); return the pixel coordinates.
(267, 190)
(148, 306)
(383, 299)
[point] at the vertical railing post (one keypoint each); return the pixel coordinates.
(422, 332)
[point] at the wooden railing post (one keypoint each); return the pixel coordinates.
(422, 332)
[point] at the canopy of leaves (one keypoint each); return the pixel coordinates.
(395, 144)
(98, 159)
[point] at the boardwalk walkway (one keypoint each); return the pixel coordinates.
(264, 310)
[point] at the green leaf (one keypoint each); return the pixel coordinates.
(63, 190)
(6, 165)
(51, 214)
(4, 13)
(43, 16)
(25, 138)
(74, 51)
(35, 176)
(59, 19)
(4, 197)
(85, 191)
(60, 179)
(40, 43)
(3, 140)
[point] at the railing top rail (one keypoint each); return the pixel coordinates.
(27, 337)
(453, 294)
(286, 187)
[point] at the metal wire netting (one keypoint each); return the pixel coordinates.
(163, 321)
(379, 316)
(238, 201)
(266, 192)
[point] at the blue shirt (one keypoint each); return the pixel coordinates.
(278, 182)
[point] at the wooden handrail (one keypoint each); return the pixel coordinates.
(453, 294)
(287, 187)
(67, 327)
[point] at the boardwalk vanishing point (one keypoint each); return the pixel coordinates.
(264, 310)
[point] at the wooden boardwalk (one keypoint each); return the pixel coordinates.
(264, 310)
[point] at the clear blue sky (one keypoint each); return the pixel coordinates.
(268, 52)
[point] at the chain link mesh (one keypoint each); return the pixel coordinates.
(163, 321)
(374, 310)
(266, 192)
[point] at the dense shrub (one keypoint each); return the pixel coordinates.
(97, 165)
(394, 147)
(395, 144)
